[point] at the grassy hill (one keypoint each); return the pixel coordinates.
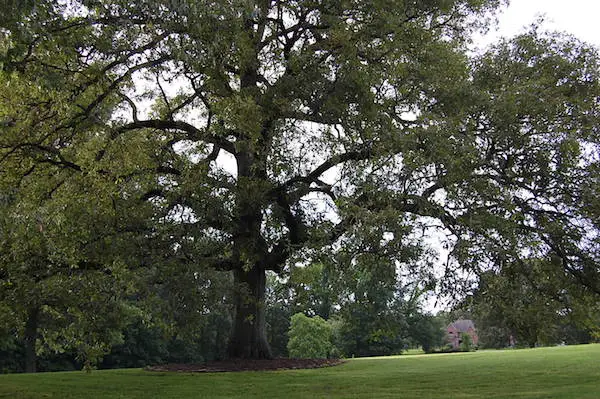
(560, 372)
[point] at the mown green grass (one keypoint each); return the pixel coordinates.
(413, 352)
(561, 372)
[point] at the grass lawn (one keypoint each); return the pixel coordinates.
(560, 372)
(413, 352)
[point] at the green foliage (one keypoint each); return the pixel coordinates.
(539, 308)
(353, 128)
(310, 337)
(372, 312)
(315, 289)
(279, 303)
(426, 331)
(366, 304)
(142, 345)
(367, 331)
(466, 343)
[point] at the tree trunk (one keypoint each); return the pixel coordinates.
(31, 328)
(249, 339)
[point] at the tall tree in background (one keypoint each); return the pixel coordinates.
(531, 304)
(260, 133)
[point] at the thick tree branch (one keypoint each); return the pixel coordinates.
(114, 85)
(297, 236)
(58, 160)
(313, 177)
(193, 132)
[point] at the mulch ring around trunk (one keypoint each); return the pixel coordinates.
(248, 365)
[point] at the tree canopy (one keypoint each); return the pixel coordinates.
(250, 136)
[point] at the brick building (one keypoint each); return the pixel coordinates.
(455, 329)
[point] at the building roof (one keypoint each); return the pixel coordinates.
(462, 325)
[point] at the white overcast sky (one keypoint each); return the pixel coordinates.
(578, 17)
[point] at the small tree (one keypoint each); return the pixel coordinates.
(426, 330)
(466, 343)
(310, 337)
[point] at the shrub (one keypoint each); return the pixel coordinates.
(309, 337)
(466, 344)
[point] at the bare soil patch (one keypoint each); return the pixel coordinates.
(248, 365)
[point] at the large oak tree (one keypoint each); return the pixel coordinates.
(262, 132)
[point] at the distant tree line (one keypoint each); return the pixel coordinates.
(512, 308)
(363, 319)
(362, 309)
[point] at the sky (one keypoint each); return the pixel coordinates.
(578, 17)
